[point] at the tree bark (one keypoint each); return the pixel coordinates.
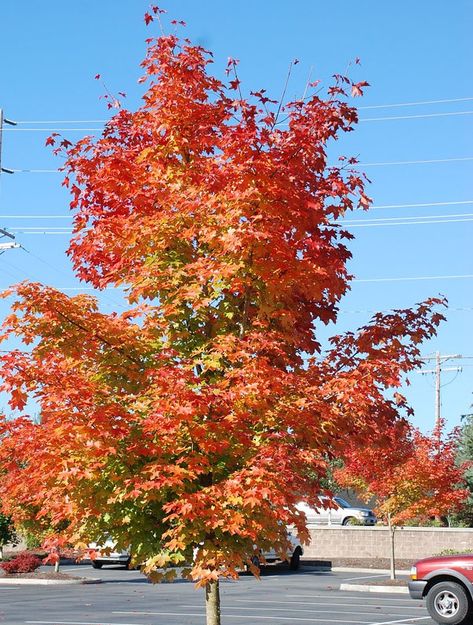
(212, 603)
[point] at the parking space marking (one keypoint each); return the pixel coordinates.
(290, 609)
(364, 598)
(331, 603)
(404, 620)
(247, 616)
(82, 623)
(348, 579)
(75, 568)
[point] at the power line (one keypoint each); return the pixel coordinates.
(75, 121)
(417, 162)
(52, 129)
(36, 171)
(399, 221)
(376, 206)
(425, 115)
(347, 222)
(360, 108)
(423, 204)
(362, 119)
(413, 278)
(410, 223)
(389, 310)
(384, 106)
(358, 223)
(356, 165)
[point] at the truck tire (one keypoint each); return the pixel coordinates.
(295, 560)
(448, 602)
(97, 564)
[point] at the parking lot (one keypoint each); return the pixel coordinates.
(279, 598)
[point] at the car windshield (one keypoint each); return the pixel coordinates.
(342, 503)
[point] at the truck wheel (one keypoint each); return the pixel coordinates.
(295, 560)
(97, 564)
(350, 520)
(447, 602)
(255, 561)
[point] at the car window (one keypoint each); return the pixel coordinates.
(342, 503)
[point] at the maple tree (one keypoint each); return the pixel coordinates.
(411, 475)
(189, 426)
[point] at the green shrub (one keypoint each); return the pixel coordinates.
(453, 552)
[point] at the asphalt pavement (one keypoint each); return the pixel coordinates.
(280, 597)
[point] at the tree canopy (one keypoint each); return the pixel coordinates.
(207, 410)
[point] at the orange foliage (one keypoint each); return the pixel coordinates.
(203, 414)
(414, 476)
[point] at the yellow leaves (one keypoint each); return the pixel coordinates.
(160, 560)
(212, 361)
(156, 577)
(145, 154)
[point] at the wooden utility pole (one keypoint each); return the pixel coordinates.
(439, 360)
(6, 245)
(4, 120)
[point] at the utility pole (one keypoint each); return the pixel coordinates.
(439, 360)
(5, 245)
(4, 120)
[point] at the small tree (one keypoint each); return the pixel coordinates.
(7, 532)
(415, 476)
(465, 459)
(193, 423)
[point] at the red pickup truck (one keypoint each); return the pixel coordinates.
(446, 583)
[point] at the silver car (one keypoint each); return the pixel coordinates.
(337, 511)
(108, 554)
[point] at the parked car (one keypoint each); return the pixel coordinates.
(446, 583)
(337, 511)
(271, 556)
(108, 554)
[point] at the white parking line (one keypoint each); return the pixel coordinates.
(82, 623)
(289, 609)
(66, 569)
(363, 598)
(348, 579)
(404, 620)
(329, 603)
(247, 616)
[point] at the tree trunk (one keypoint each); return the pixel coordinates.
(58, 561)
(392, 529)
(212, 603)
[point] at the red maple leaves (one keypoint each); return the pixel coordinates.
(203, 414)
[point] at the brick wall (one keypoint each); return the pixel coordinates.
(374, 542)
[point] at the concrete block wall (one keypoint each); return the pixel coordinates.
(374, 542)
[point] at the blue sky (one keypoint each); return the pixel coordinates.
(410, 52)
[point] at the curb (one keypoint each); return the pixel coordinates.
(367, 588)
(28, 581)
